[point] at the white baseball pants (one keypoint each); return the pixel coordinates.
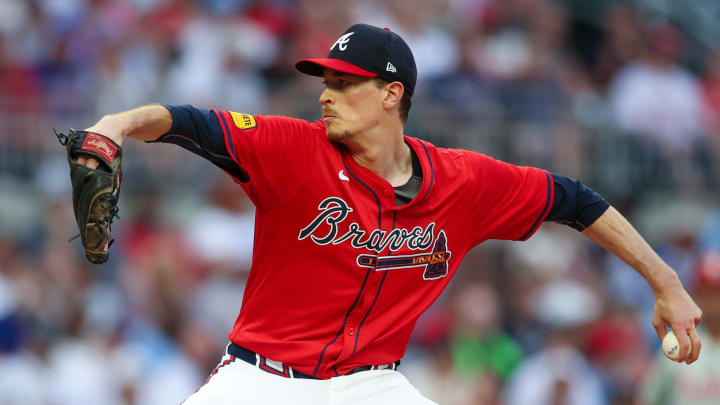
(240, 383)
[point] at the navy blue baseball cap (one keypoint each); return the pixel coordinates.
(369, 51)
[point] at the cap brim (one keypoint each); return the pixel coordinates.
(315, 67)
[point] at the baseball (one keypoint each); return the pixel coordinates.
(671, 346)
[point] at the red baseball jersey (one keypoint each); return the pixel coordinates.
(340, 274)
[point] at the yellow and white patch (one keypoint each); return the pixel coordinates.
(243, 121)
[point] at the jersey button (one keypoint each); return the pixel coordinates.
(351, 331)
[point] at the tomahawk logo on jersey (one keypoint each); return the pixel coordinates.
(340, 273)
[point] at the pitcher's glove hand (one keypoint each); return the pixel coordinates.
(95, 191)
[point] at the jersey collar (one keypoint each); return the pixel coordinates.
(382, 189)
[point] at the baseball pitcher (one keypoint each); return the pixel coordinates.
(359, 228)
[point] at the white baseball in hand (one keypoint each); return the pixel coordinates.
(671, 346)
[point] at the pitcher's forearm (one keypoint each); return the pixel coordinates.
(145, 123)
(674, 307)
(614, 233)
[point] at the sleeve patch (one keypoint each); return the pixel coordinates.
(243, 121)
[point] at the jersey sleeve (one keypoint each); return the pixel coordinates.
(575, 204)
(509, 202)
(275, 152)
(199, 131)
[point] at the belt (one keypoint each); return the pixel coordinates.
(283, 370)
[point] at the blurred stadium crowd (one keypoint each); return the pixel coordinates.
(624, 95)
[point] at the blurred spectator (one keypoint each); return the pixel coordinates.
(479, 345)
(18, 82)
(615, 344)
(23, 380)
(559, 373)
(468, 355)
(521, 51)
(434, 372)
(709, 233)
(436, 378)
(711, 92)
(211, 69)
(9, 328)
(220, 233)
(170, 376)
(128, 74)
(79, 371)
(220, 236)
(465, 88)
(433, 45)
(655, 97)
(623, 43)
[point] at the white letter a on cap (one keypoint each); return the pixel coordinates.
(342, 41)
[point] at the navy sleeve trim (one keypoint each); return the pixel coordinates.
(544, 212)
(199, 132)
(575, 204)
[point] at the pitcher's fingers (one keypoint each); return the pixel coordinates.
(88, 161)
(695, 345)
(659, 329)
(684, 340)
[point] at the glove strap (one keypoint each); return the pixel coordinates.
(103, 146)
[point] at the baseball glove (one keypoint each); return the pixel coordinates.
(95, 191)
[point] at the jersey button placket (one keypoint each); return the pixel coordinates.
(351, 328)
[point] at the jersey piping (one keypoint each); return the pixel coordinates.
(432, 171)
(377, 199)
(228, 142)
(546, 209)
(342, 327)
(357, 335)
(362, 287)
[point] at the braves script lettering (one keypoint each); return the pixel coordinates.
(324, 230)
